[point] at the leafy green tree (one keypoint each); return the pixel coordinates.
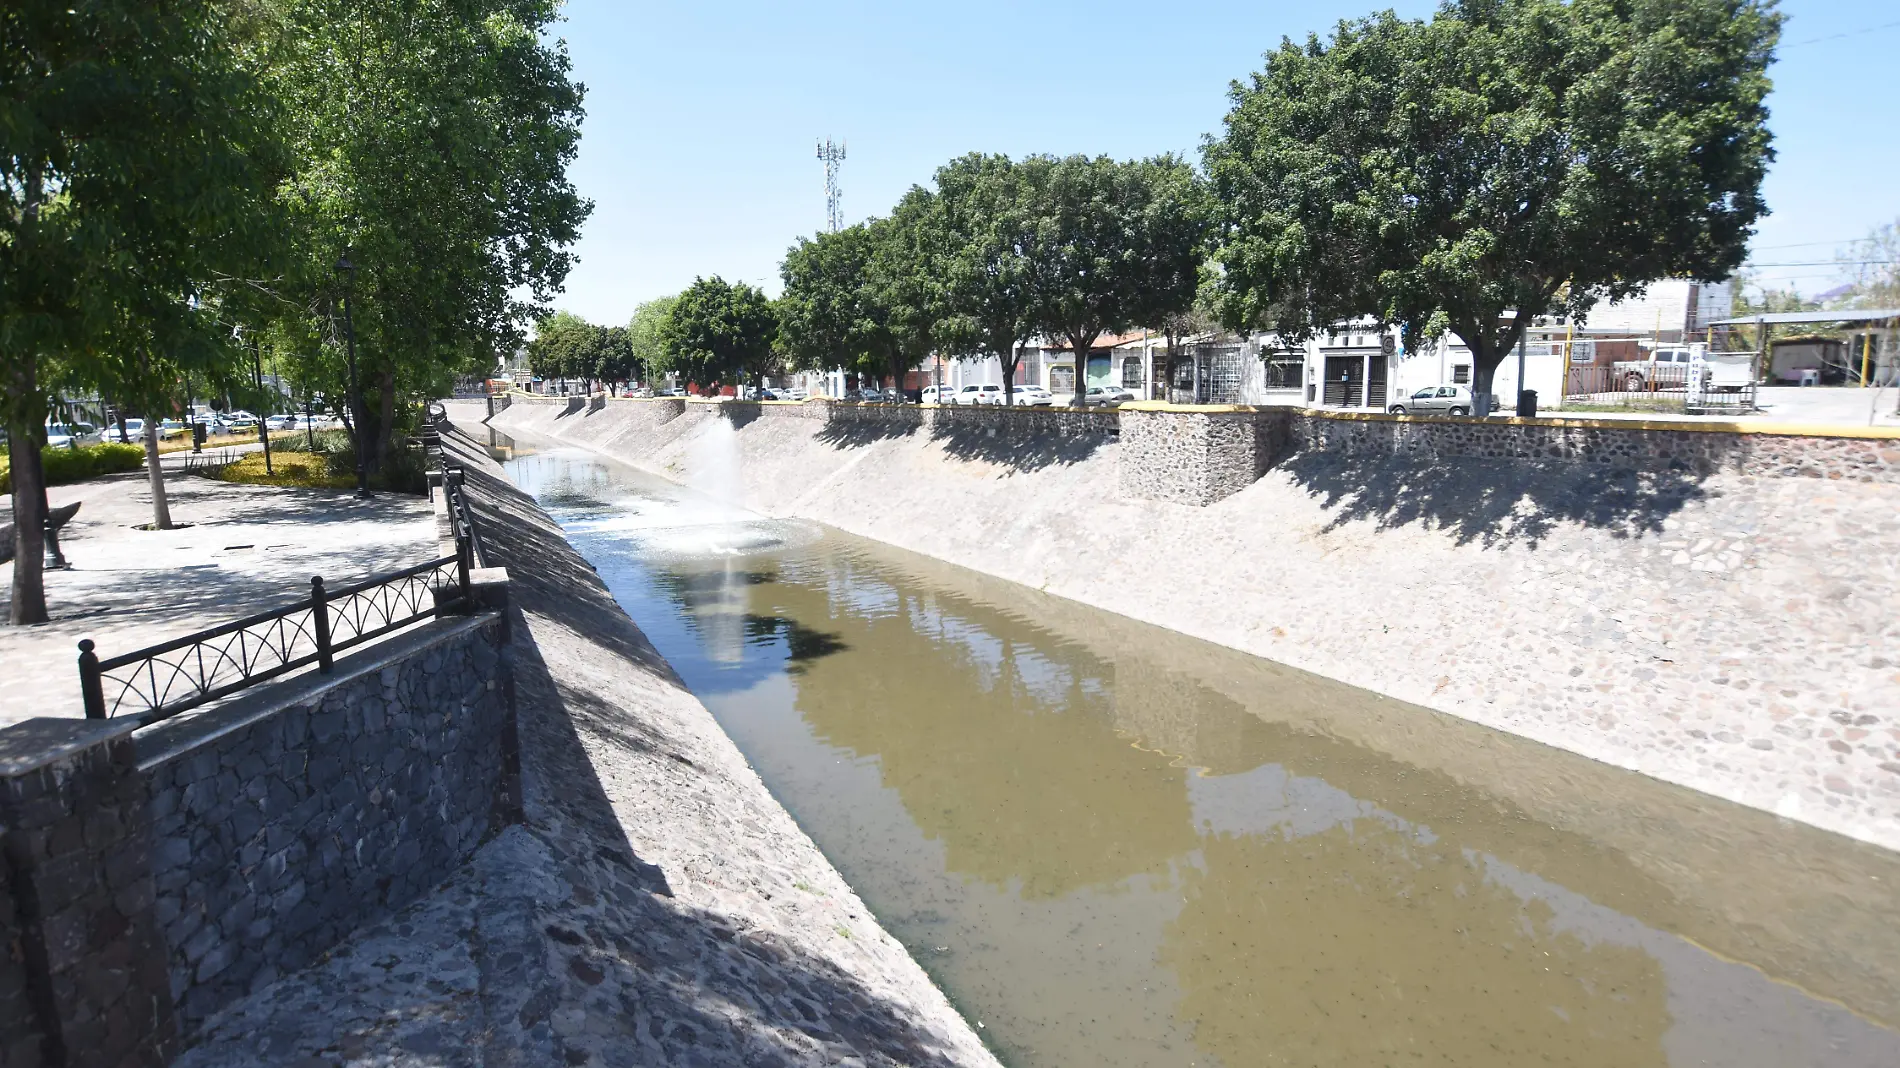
(131, 146)
(721, 333)
(1527, 155)
(833, 311)
(431, 139)
(613, 356)
(907, 275)
(563, 347)
(988, 205)
(1114, 245)
(644, 348)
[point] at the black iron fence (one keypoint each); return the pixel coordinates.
(163, 680)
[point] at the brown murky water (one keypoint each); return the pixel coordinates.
(1113, 845)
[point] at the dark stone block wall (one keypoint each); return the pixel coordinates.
(20, 1035)
(276, 837)
(149, 881)
(89, 953)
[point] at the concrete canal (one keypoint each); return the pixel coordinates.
(1113, 845)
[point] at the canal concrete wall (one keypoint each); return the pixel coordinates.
(1723, 623)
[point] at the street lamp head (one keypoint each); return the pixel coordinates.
(343, 263)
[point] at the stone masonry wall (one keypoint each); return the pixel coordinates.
(278, 831)
(19, 1024)
(1198, 458)
(83, 939)
(1201, 455)
(1688, 447)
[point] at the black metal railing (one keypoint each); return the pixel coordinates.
(163, 680)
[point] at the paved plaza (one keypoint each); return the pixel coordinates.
(246, 548)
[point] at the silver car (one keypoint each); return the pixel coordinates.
(1435, 400)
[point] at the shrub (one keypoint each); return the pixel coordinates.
(330, 464)
(76, 465)
(302, 469)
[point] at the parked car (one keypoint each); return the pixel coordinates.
(1106, 396)
(172, 428)
(980, 393)
(939, 395)
(794, 394)
(1118, 393)
(1032, 397)
(71, 435)
(1669, 369)
(134, 430)
(1435, 400)
(239, 421)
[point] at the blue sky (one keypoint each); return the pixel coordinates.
(699, 145)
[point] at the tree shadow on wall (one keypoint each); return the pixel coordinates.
(854, 434)
(1494, 502)
(1019, 452)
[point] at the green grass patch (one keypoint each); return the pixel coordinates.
(77, 465)
(302, 470)
(330, 464)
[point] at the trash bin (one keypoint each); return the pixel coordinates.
(197, 435)
(1526, 403)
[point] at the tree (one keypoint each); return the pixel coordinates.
(1507, 156)
(906, 273)
(644, 348)
(131, 154)
(721, 333)
(987, 207)
(833, 312)
(613, 356)
(431, 139)
(1113, 244)
(1873, 263)
(563, 346)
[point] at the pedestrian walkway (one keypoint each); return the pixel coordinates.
(238, 549)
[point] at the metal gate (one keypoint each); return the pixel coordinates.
(1344, 385)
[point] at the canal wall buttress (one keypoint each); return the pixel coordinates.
(1670, 601)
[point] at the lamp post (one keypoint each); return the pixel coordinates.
(349, 341)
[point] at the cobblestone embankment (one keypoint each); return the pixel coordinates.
(657, 906)
(1728, 630)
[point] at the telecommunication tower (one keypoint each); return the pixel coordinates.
(833, 155)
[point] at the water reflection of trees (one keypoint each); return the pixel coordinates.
(1363, 944)
(1000, 743)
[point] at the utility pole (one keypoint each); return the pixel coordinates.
(833, 155)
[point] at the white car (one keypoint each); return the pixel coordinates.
(1032, 397)
(71, 435)
(939, 395)
(984, 393)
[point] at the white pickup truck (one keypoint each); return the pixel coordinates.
(1668, 368)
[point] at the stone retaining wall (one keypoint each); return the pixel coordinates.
(155, 879)
(19, 1023)
(277, 830)
(1641, 447)
(1201, 455)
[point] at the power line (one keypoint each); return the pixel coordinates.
(1827, 263)
(1839, 36)
(833, 155)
